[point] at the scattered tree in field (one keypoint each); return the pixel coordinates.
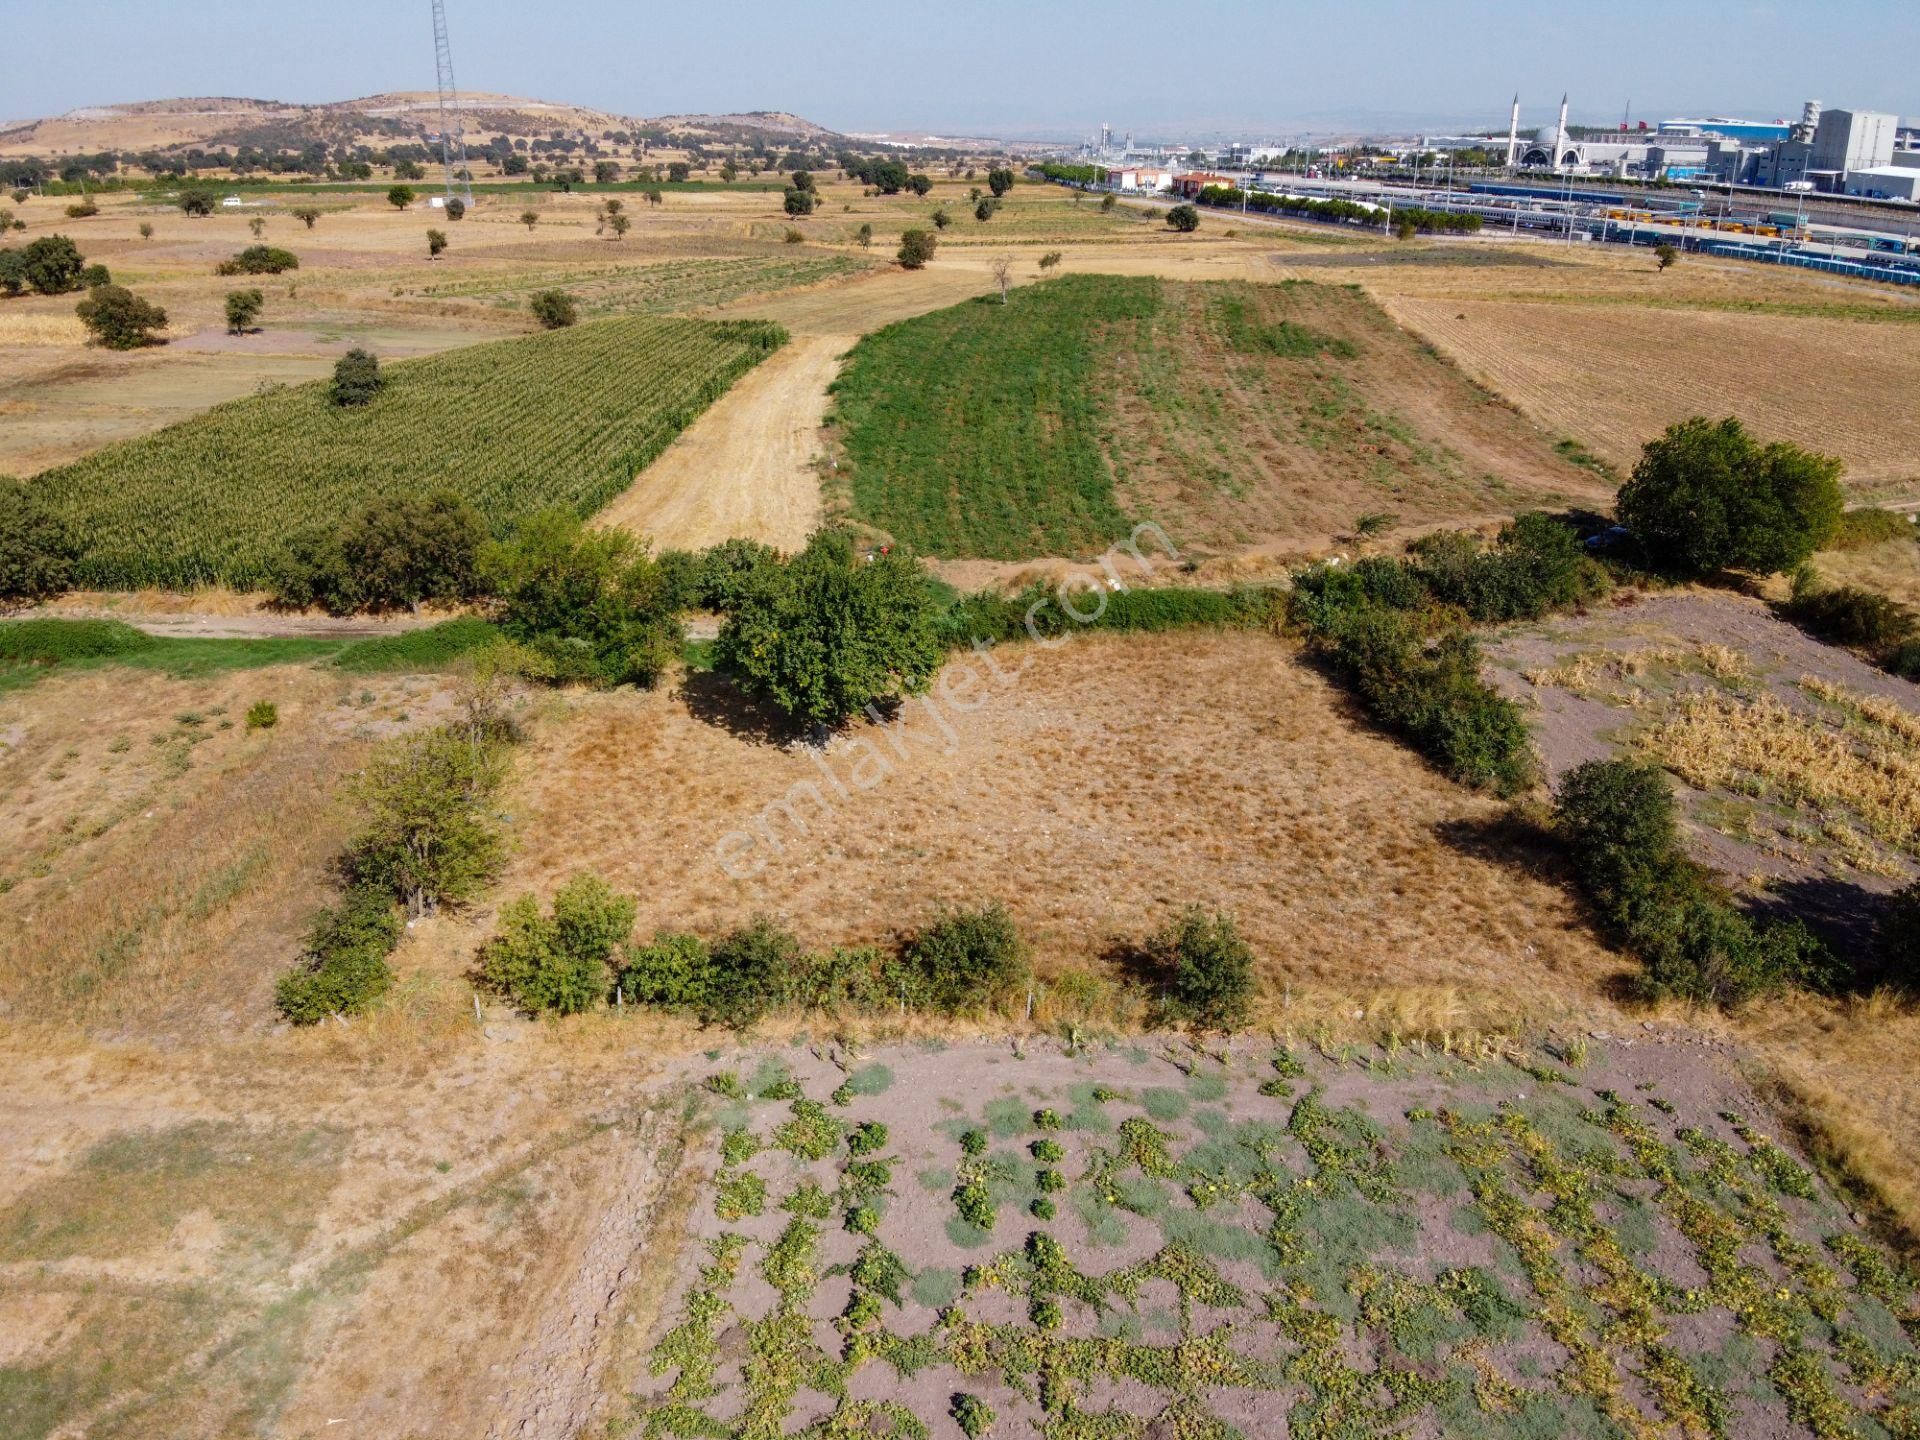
(986, 209)
(408, 170)
(1667, 255)
(1207, 966)
(83, 209)
(999, 181)
(120, 319)
(19, 195)
(356, 378)
(619, 223)
(593, 605)
(554, 309)
(605, 172)
(13, 272)
(653, 195)
(803, 180)
(1003, 275)
(307, 215)
(94, 276)
(834, 632)
(1707, 496)
(146, 230)
(52, 265)
(729, 172)
(559, 962)
(889, 177)
(436, 242)
(258, 226)
(916, 249)
(259, 260)
(1184, 218)
(400, 196)
(678, 172)
(243, 308)
(864, 237)
(36, 549)
(799, 202)
(529, 218)
(1108, 203)
(196, 202)
(456, 208)
(429, 838)
(1405, 229)
(920, 184)
(1049, 260)
(941, 219)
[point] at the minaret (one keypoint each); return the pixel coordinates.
(1560, 135)
(1513, 134)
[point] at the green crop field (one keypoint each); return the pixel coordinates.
(1232, 1241)
(564, 418)
(1225, 412)
(663, 288)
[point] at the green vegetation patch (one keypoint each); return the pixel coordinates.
(563, 418)
(430, 648)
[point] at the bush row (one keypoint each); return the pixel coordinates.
(579, 956)
(1041, 612)
(1402, 217)
(1864, 620)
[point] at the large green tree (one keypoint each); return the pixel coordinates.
(53, 265)
(834, 632)
(1708, 496)
(120, 319)
(36, 549)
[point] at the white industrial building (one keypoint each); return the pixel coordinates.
(1886, 182)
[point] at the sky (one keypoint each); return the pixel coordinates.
(1037, 68)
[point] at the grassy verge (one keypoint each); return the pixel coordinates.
(31, 649)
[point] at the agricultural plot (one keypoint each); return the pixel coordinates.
(1231, 414)
(1257, 1241)
(665, 288)
(1799, 765)
(563, 418)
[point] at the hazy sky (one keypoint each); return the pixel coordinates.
(996, 66)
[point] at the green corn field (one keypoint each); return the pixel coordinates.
(515, 426)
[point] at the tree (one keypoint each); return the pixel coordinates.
(1109, 203)
(397, 552)
(436, 242)
(356, 378)
(408, 170)
(118, 318)
(1184, 218)
(456, 208)
(920, 184)
(1049, 260)
(258, 226)
(799, 202)
(999, 181)
(889, 177)
(243, 308)
(36, 549)
(1207, 966)
(1003, 275)
(559, 963)
(619, 224)
(803, 180)
(964, 960)
(593, 605)
(13, 272)
(1707, 496)
(653, 196)
(605, 172)
(864, 237)
(429, 837)
(259, 260)
(196, 202)
(1667, 255)
(678, 172)
(146, 230)
(985, 210)
(529, 218)
(554, 309)
(916, 249)
(307, 215)
(941, 219)
(834, 633)
(52, 265)
(400, 196)
(729, 172)
(514, 165)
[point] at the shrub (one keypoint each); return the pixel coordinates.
(670, 972)
(400, 196)
(831, 634)
(973, 1142)
(1537, 565)
(747, 974)
(1707, 496)
(592, 604)
(37, 550)
(52, 265)
(262, 715)
(345, 966)
(1898, 939)
(243, 308)
(260, 260)
(916, 249)
(196, 201)
(554, 309)
(799, 202)
(456, 208)
(1617, 818)
(965, 959)
(1184, 218)
(49, 642)
(429, 837)
(866, 1138)
(395, 553)
(1869, 525)
(734, 570)
(559, 962)
(1209, 968)
(1847, 615)
(356, 378)
(120, 319)
(973, 1415)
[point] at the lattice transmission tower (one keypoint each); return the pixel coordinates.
(453, 145)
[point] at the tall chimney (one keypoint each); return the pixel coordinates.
(1560, 136)
(1513, 134)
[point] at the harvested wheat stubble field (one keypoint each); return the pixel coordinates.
(1263, 1241)
(1799, 765)
(1229, 414)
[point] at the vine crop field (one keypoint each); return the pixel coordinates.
(563, 418)
(663, 288)
(1255, 1241)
